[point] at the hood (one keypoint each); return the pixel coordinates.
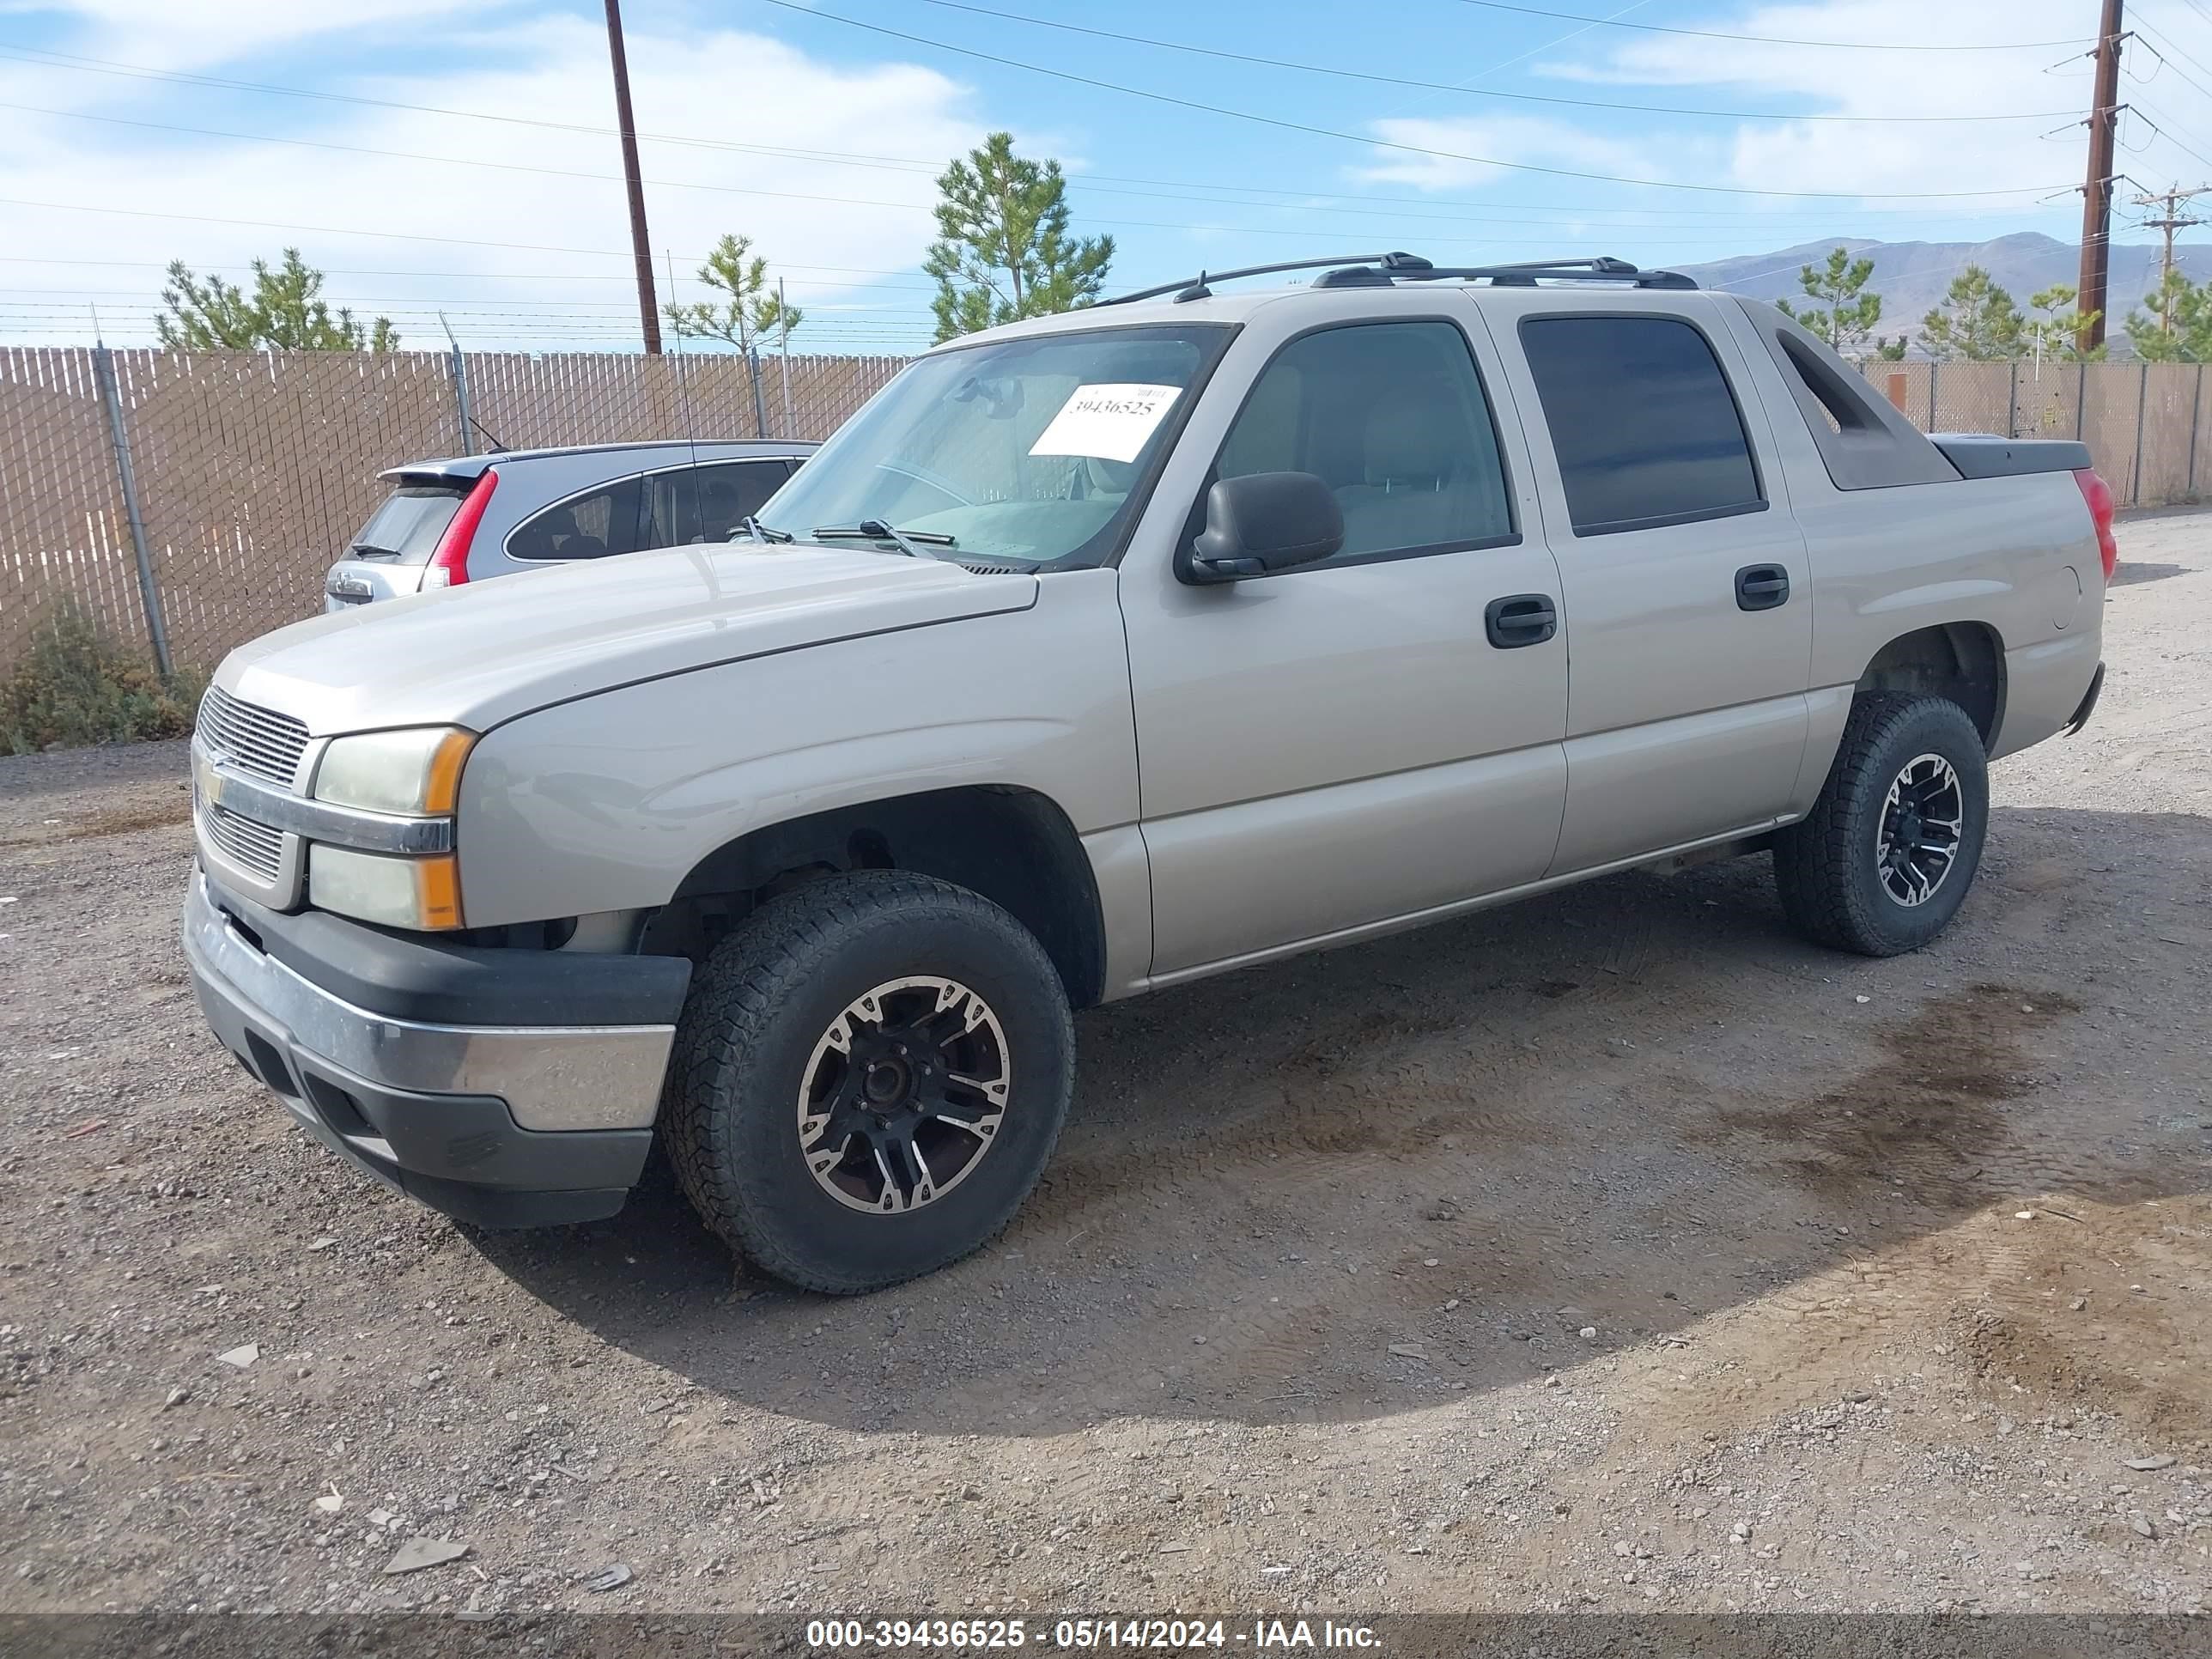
(486, 652)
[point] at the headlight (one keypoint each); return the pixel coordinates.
(416, 773)
(412, 773)
(424, 895)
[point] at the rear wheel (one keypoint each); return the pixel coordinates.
(869, 1078)
(1884, 859)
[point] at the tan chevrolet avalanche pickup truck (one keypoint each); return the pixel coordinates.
(1099, 653)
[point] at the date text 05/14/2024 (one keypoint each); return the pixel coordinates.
(1160, 1635)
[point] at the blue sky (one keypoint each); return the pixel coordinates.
(473, 172)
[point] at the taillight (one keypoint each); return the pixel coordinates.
(2099, 495)
(449, 565)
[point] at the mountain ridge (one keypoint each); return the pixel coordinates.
(1912, 278)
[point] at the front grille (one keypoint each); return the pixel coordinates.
(256, 740)
(252, 846)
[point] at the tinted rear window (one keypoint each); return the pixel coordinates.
(587, 526)
(1645, 427)
(406, 528)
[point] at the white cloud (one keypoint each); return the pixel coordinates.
(194, 33)
(843, 223)
(1868, 157)
(1534, 140)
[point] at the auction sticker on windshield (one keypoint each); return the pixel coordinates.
(1109, 422)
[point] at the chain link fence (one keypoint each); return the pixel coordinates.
(2144, 423)
(188, 503)
(247, 472)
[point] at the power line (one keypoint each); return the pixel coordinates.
(2162, 34)
(450, 160)
(82, 64)
(781, 195)
(470, 276)
(2143, 26)
(1773, 39)
(1476, 92)
(398, 305)
(2151, 47)
(1371, 143)
(58, 307)
(2166, 128)
(2166, 133)
(318, 230)
(1102, 183)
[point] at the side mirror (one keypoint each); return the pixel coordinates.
(1262, 523)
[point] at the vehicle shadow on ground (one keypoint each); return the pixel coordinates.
(2124, 575)
(1368, 1180)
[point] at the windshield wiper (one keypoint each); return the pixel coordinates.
(760, 532)
(875, 529)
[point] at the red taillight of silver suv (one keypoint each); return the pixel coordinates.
(449, 564)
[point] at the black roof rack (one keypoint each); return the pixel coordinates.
(1194, 288)
(1600, 269)
(1383, 270)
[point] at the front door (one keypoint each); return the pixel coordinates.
(1349, 742)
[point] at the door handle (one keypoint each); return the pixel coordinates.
(1761, 587)
(1520, 619)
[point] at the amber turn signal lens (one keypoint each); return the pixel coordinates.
(441, 784)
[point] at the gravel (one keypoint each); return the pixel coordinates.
(1613, 1250)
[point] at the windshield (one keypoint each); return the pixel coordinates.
(1028, 449)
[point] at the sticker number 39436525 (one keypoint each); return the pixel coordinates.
(1110, 421)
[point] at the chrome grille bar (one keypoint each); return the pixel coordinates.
(253, 739)
(256, 847)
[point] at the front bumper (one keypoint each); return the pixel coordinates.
(528, 1123)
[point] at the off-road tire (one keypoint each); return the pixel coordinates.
(1825, 866)
(756, 1009)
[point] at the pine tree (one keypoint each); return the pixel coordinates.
(2057, 333)
(1848, 314)
(750, 310)
(1003, 250)
(1976, 320)
(2179, 328)
(285, 312)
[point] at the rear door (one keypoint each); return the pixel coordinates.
(589, 524)
(1687, 588)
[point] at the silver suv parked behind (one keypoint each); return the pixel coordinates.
(448, 522)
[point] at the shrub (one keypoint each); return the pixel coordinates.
(74, 685)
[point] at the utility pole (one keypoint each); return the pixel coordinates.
(649, 314)
(2097, 191)
(2173, 200)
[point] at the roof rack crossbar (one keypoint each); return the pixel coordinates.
(1366, 270)
(1564, 270)
(1195, 286)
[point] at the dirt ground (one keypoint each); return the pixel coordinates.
(1615, 1250)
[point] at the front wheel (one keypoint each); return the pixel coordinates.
(870, 1075)
(1884, 859)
